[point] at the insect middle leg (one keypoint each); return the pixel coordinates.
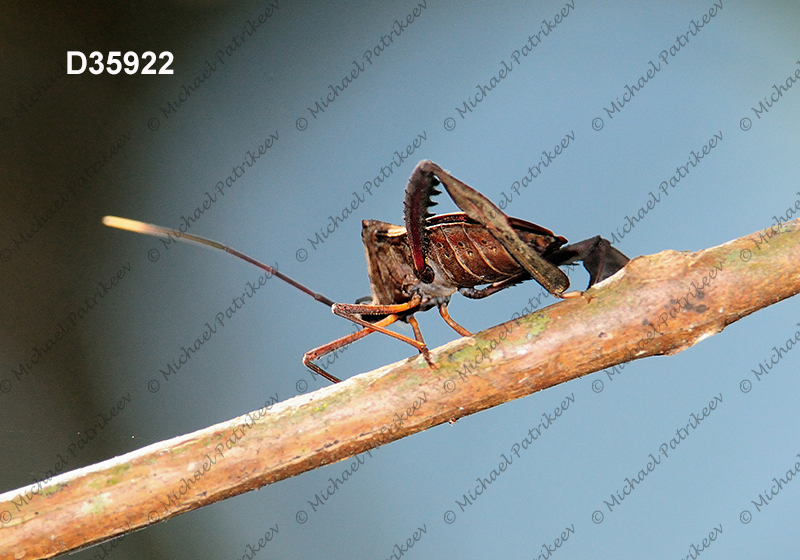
(449, 320)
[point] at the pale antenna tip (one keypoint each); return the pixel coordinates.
(124, 223)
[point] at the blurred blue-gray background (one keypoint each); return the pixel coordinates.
(431, 77)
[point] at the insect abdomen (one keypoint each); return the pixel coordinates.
(468, 255)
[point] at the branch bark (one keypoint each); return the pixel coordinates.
(658, 304)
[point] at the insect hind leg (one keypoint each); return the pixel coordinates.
(600, 259)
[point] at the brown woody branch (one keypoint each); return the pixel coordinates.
(658, 304)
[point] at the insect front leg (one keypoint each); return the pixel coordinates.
(317, 353)
(418, 335)
(353, 311)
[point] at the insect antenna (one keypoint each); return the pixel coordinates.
(158, 231)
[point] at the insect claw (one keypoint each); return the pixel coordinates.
(569, 295)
